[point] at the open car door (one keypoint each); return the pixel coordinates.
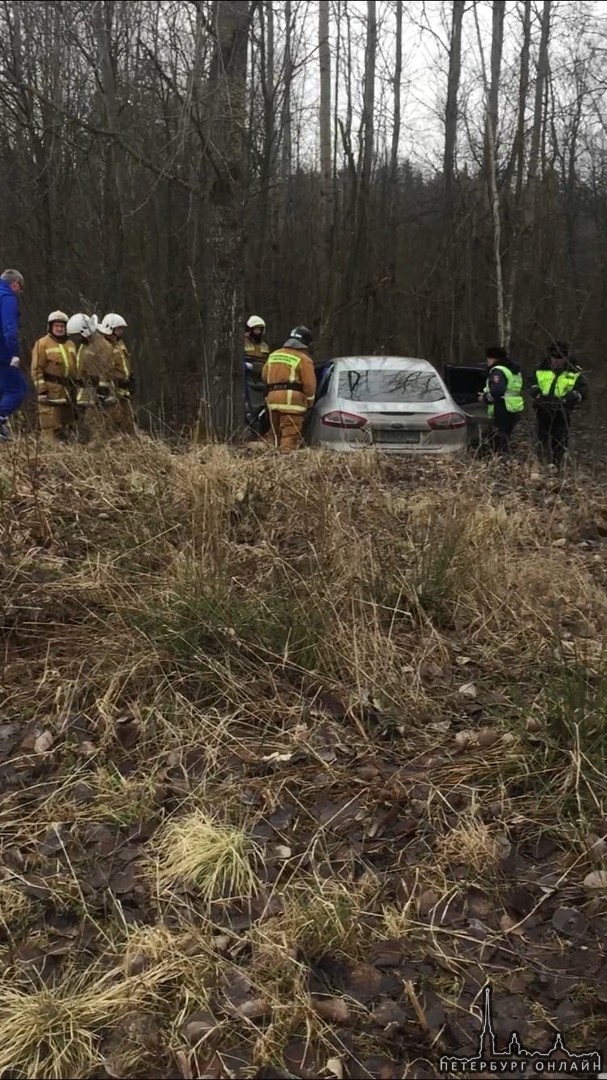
(465, 382)
(322, 370)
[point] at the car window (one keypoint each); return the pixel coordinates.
(323, 382)
(390, 386)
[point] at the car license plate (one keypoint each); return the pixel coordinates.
(395, 437)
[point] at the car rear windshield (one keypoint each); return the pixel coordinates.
(397, 386)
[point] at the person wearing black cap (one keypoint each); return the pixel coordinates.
(557, 388)
(503, 395)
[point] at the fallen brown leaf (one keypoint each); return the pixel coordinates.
(43, 743)
(389, 1015)
(333, 1009)
(335, 1068)
(510, 925)
(197, 1026)
(596, 880)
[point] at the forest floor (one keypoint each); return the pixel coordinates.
(295, 755)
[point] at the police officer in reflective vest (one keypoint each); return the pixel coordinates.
(556, 389)
(503, 394)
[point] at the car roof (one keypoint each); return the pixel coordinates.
(382, 363)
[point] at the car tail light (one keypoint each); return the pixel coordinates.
(447, 421)
(343, 420)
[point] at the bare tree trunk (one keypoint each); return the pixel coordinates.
(455, 68)
(328, 328)
(268, 90)
(286, 117)
(353, 300)
(497, 43)
(326, 171)
(518, 164)
(270, 69)
(368, 152)
(391, 208)
(540, 88)
(192, 104)
(368, 117)
(449, 275)
(271, 74)
(491, 122)
(398, 75)
(324, 55)
(223, 396)
(102, 14)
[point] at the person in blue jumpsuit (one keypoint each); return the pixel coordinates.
(13, 385)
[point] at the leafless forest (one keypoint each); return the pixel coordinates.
(414, 177)
(298, 751)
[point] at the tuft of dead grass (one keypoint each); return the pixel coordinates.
(198, 850)
(54, 1032)
(475, 845)
(14, 906)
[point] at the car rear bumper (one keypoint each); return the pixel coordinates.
(457, 449)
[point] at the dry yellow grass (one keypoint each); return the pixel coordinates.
(475, 845)
(288, 708)
(197, 850)
(55, 1032)
(14, 906)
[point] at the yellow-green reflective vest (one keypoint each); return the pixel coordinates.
(555, 383)
(513, 398)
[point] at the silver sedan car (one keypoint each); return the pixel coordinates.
(398, 404)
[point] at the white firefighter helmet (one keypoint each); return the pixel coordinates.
(111, 322)
(82, 324)
(57, 316)
(255, 322)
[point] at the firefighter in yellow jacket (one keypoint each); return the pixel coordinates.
(256, 348)
(256, 352)
(290, 382)
(55, 374)
(120, 414)
(93, 361)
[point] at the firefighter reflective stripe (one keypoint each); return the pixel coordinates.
(81, 396)
(293, 363)
(256, 349)
(50, 364)
(121, 361)
(284, 358)
(66, 363)
(513, 396)
(85, 395)
(555, 383)
(38, 369)
(53, 354)
(287, 408)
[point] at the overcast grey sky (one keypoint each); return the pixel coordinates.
(578, 28)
